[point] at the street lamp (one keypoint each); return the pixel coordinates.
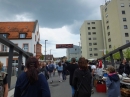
(45, 50)
(50, 51)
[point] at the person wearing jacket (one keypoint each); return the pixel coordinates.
(124, 68)
(32, 83)
(60, 70)
(71, 68)
(82, 77)
(43, 70)
(112, 83)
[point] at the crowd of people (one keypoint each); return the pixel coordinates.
(33, 81)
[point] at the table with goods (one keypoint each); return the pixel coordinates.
(125, 86)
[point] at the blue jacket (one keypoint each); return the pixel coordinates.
(39, 89)
(113, 84)
(59, 68)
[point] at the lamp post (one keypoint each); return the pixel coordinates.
(50, 51)
(45, 50)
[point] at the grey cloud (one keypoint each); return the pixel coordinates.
(49, 13)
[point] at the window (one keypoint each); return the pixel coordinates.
(89, 33)
(3, 48)
(107, 27)
(88, 23)
(22, 35)
(91, 55)
(95, 54)
(124, 19)
(88, 28)
(108, 33)
(25, 47)
(109, 40)
(110, 46)
(94, 32)
(123, 12)
(127, 41)
(125, 27)
(94, 38)
(89, 38)
(95, 49)
(93, 22)
(94, 43)
(34, 48)
(93, 27)
(5, 35)
(105, 9)
(106, 15)
(122, 5)
(90, 44)
(90, 49)
(126, 34)
(107, 22)
(35, 37)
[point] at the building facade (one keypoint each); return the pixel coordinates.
(91, 39)
(116, 23)
(24, 34)
(113, 30)
(74, 52)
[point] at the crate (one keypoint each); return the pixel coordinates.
(101, 88)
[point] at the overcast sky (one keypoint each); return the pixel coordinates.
(59, 20)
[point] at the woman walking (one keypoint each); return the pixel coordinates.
(82, 79)
(60, 70)
(71, 68)
(32, 83)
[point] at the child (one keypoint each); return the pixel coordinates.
(112, 83)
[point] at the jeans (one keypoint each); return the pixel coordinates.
(73, 90)
(64, 75)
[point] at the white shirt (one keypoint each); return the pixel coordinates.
(16, 69)
(93, 67)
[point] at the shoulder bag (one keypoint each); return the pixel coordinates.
(25, 89)
(77, 90)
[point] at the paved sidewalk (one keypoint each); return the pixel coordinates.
(61, 89)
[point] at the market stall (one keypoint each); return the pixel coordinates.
(125, 87)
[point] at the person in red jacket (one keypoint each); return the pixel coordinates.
(99, 63)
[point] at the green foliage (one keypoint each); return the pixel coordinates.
(108, 58)
(116, 55)
(127, 53)
(42, 57)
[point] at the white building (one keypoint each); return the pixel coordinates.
(74, 52)
(24, 34)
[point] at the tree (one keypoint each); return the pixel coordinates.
(42, 57)
(127, 53)
(108, 58)
(116, 56)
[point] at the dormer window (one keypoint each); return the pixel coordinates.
(22, 35)
(5, 35)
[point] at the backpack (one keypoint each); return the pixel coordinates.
(2, 76)
(51, 67)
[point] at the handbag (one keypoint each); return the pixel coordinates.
(77, 91)
(25, 89)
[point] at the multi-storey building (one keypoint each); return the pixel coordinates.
(24, 34)
(74, 52)
(114, 28)
(91, 39)
(115, 23)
